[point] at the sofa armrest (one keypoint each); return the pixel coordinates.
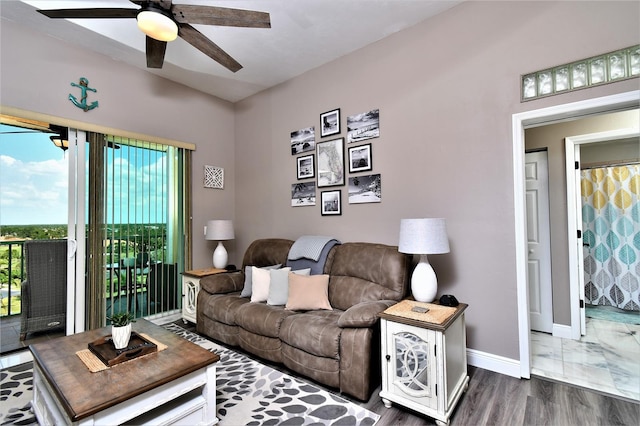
(364, 314)
(227, 282)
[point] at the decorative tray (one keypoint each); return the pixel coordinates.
(106, 352)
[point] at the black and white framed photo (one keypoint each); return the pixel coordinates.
(306, 166)
(363, 126)
(330, 158)
(303, 140)
(365, 189)
(360, 158)
(330, 123)
(330, 202)
(303, 194)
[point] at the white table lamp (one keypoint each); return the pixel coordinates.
(219, 230)
(423, 237)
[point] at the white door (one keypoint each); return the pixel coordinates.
(75, 232)
(538, 241)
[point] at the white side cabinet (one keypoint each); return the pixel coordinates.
(190, 290)
(424, 365)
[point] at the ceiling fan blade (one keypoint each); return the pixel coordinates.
(166, 4)
(155, 52)
(212, 15)
(101, 13)
(206, 46)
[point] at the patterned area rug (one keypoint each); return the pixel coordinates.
(248, 393)
(16, 391)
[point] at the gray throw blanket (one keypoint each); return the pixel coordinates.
(309, 247)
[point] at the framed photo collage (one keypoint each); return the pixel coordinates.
(321, 164)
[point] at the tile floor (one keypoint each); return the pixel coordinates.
(10, 335)
(606, 359)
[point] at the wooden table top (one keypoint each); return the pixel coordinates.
(199, 273)
(84, 393)
(412, 320)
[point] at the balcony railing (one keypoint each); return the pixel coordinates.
(12, 273)
(163, 292)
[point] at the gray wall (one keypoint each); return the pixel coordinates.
(552, 137)
(446, 90)
(36, 73)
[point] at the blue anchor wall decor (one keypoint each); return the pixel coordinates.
(83, 84)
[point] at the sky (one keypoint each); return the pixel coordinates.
(33, 179)
(34, 182)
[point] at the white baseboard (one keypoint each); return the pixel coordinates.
(563, 331)
(496, 363)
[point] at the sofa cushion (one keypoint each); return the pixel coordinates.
(262, 319)
(248, 279)
(279, 286)
(322, 369)
(222, 283)
(316, 333)
(221, 307)
(362, 272)
(308, 292)
(267, 251)
(364, 314)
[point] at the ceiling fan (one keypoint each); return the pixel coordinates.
(163, 21)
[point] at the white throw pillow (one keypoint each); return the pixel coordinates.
(260, 281)
(248, 279)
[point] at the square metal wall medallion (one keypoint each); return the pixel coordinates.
(213, 177)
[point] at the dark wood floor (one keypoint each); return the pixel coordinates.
(495, 399)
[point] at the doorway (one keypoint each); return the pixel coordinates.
(520, 122)
(627, 140)
(604, 356)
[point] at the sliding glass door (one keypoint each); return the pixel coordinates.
(126, 206)
(136, 227)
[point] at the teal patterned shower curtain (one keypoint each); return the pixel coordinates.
(611, 236)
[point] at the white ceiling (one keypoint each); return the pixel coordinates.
(304, 34)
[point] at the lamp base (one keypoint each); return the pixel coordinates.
(220, 256)
(424, 284)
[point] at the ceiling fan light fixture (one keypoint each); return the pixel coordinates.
(157, 24)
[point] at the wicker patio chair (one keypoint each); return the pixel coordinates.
(43, 295)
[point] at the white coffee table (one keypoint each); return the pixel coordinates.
(173, 386)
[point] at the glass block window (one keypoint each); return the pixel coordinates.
(615, 66)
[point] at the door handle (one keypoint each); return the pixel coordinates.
(72, 246)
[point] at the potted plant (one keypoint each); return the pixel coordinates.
(121, 328)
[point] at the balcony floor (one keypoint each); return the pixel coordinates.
(10, 327)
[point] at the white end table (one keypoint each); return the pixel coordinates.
(191, 288)
(424, 364)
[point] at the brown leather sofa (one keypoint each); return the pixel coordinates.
(338, 348)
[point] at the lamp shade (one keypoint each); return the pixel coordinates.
(423, 236)
(219, 230)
